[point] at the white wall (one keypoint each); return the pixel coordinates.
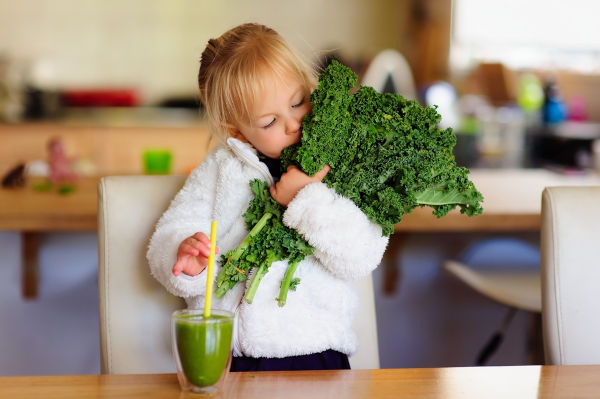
(154, 45)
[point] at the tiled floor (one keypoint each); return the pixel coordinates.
(429, 320)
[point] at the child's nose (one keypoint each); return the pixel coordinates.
(292, 125)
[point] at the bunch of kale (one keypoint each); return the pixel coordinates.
(387, 154)
(269, 240)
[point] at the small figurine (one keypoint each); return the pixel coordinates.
(59, 165)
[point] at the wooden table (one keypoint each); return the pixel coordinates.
(31, 213)
(27, 210)
(512, 203)
(111, 141)
(514, 382)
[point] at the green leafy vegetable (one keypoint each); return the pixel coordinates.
(269, 240)
(387, 154)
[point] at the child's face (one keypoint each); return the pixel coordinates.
(276, 117)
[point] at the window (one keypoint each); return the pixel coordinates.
(548, 34)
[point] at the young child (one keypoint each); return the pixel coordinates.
(255, 91)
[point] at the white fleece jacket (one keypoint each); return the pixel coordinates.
(319, 313)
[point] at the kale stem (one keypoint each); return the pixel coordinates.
(255, 230)
(224, 283)
(260, 272)
(222, 289)
(285, 283)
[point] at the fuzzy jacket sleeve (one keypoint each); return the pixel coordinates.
(188, 213)
(346, 242)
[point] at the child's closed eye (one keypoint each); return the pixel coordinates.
(268, 125)
(299, 104)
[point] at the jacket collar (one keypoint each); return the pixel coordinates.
(248, 154)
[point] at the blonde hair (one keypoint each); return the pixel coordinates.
(234, 67)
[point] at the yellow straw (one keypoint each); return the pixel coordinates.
(210, 269)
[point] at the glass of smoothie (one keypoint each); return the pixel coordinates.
(202, 348)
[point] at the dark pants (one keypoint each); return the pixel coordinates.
(328, 360)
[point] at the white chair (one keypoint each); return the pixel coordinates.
(134, 308)
(390, 64)
(570, 241)
(513, 286)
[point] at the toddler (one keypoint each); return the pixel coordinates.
(255, 91)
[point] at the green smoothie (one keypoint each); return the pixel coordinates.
(203, 346)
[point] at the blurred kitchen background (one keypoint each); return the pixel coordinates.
(516, 80)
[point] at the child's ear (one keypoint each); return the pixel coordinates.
(234, 132)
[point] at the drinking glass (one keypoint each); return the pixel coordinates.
(202, 348)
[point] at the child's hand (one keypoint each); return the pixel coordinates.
(192, 255)
(292, 181)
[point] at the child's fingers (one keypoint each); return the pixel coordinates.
(197, 245)
(203, 238)
(322, 173)
(203, 250)
(189, 248)
(195, 250)
(273, 191)
(192, 246)
(178, 267)
(203, 260)
(189, 266)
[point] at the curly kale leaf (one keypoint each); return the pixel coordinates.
(387, 153)
(269, 240)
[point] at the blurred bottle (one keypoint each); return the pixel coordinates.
(577, 109)
(43, 100)
(530, 96)
(11, 96)
(554, 109)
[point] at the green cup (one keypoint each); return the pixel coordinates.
(202, 348)
(157, 161)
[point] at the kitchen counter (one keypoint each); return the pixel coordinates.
(109, 141)
(130, 117)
